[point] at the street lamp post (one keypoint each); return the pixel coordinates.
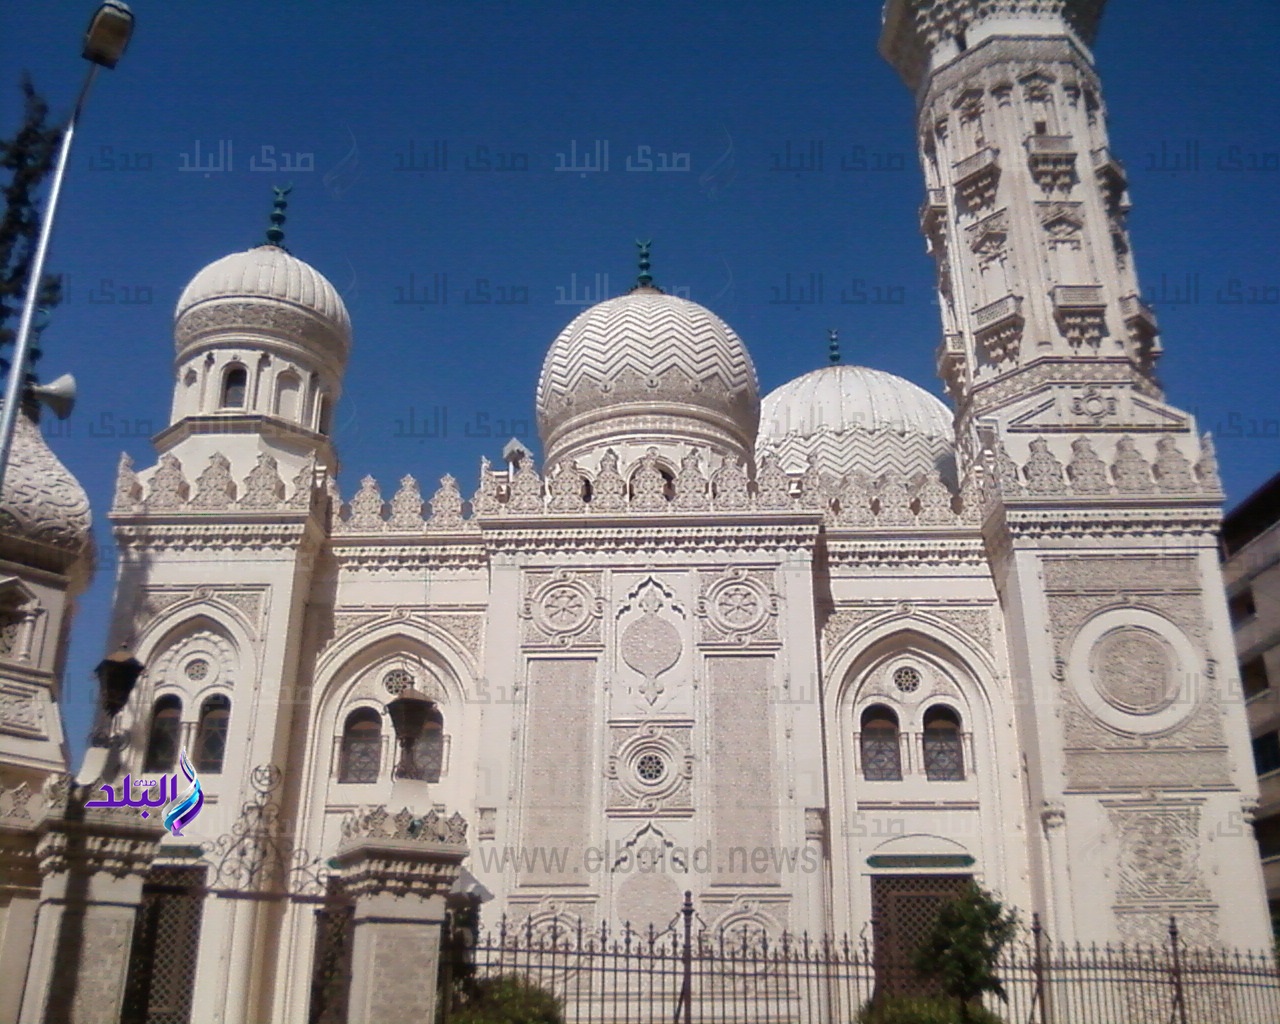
(104, 42)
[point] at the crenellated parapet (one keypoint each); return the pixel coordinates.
(215, 488)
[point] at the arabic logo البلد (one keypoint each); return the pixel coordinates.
(184, 811)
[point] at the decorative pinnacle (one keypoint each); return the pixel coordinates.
(833, 346)
(645, 279)
(275, 233)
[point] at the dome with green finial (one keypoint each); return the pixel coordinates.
(264, 290)
(647, 365)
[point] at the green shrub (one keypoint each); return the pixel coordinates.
(904, 1010)
(507, 999)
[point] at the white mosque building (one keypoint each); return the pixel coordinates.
(814, 655)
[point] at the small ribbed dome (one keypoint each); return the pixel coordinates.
(263, 289)
(44, 512)
(856, 418)
(648, 361)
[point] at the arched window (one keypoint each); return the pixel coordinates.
(324, 415)
(233, 387)
(881, 753)
(163, 739)
(428, 752)
(288, 390)
(361, 756)
(211, 736)
(943, 747)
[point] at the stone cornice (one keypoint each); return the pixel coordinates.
(632, 535)
(846, 549)
(1155, 517)
(205, 531)
(389, 552)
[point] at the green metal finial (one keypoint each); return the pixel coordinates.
(645, 279)
(275, 233)
(833, 346)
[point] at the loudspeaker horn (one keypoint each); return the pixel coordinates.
(59, 395)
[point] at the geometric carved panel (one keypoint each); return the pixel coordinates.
(1159, 852)
(650, 769)
(738, 606)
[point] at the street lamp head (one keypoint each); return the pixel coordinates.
(108, 33)
(409, 713)
(117, 674)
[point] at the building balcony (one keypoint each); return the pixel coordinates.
(999, 313)
(933, 210)
(1137, 314)
(1050, 145)
(1109, 170)
(983, 160)
(1078, 296)
(1052, 160)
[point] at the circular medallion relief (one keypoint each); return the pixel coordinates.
(1133, 671)
(197, 670)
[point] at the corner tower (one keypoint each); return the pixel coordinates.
(1101, 502)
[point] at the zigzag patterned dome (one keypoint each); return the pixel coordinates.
(647, 367)
(853, 418)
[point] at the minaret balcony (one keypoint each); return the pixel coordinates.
(933, 211)
(976, 178)
(1052, 159)
(1138, 315)
(1109, 170)
(1003, 312)
(983, 160)
(1078, 296)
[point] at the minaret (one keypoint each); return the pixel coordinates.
(1100, 501)
(1025, 206)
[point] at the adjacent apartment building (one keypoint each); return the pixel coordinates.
(1251, 570)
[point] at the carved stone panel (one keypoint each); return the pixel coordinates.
(561, 607)
(650, 642)
(650, 768)
(739, 606)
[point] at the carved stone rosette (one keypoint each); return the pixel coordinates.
(650, 768)
(563, 608)
(737, 607)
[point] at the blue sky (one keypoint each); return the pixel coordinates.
(390, 113)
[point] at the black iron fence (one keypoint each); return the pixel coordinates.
(682, 974)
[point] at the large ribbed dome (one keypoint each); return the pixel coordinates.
(856, 418)
(44, 512)
(263, 289)
(651, 362)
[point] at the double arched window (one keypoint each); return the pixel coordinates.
(165, 735)
(881, 749)
(360, 759)
(941, 750)
(211, 734)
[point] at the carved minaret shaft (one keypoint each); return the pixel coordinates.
(1100, 502)
(1025, 205)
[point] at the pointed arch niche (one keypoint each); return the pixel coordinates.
(353, 684)
(193, 667)
(920, 747)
